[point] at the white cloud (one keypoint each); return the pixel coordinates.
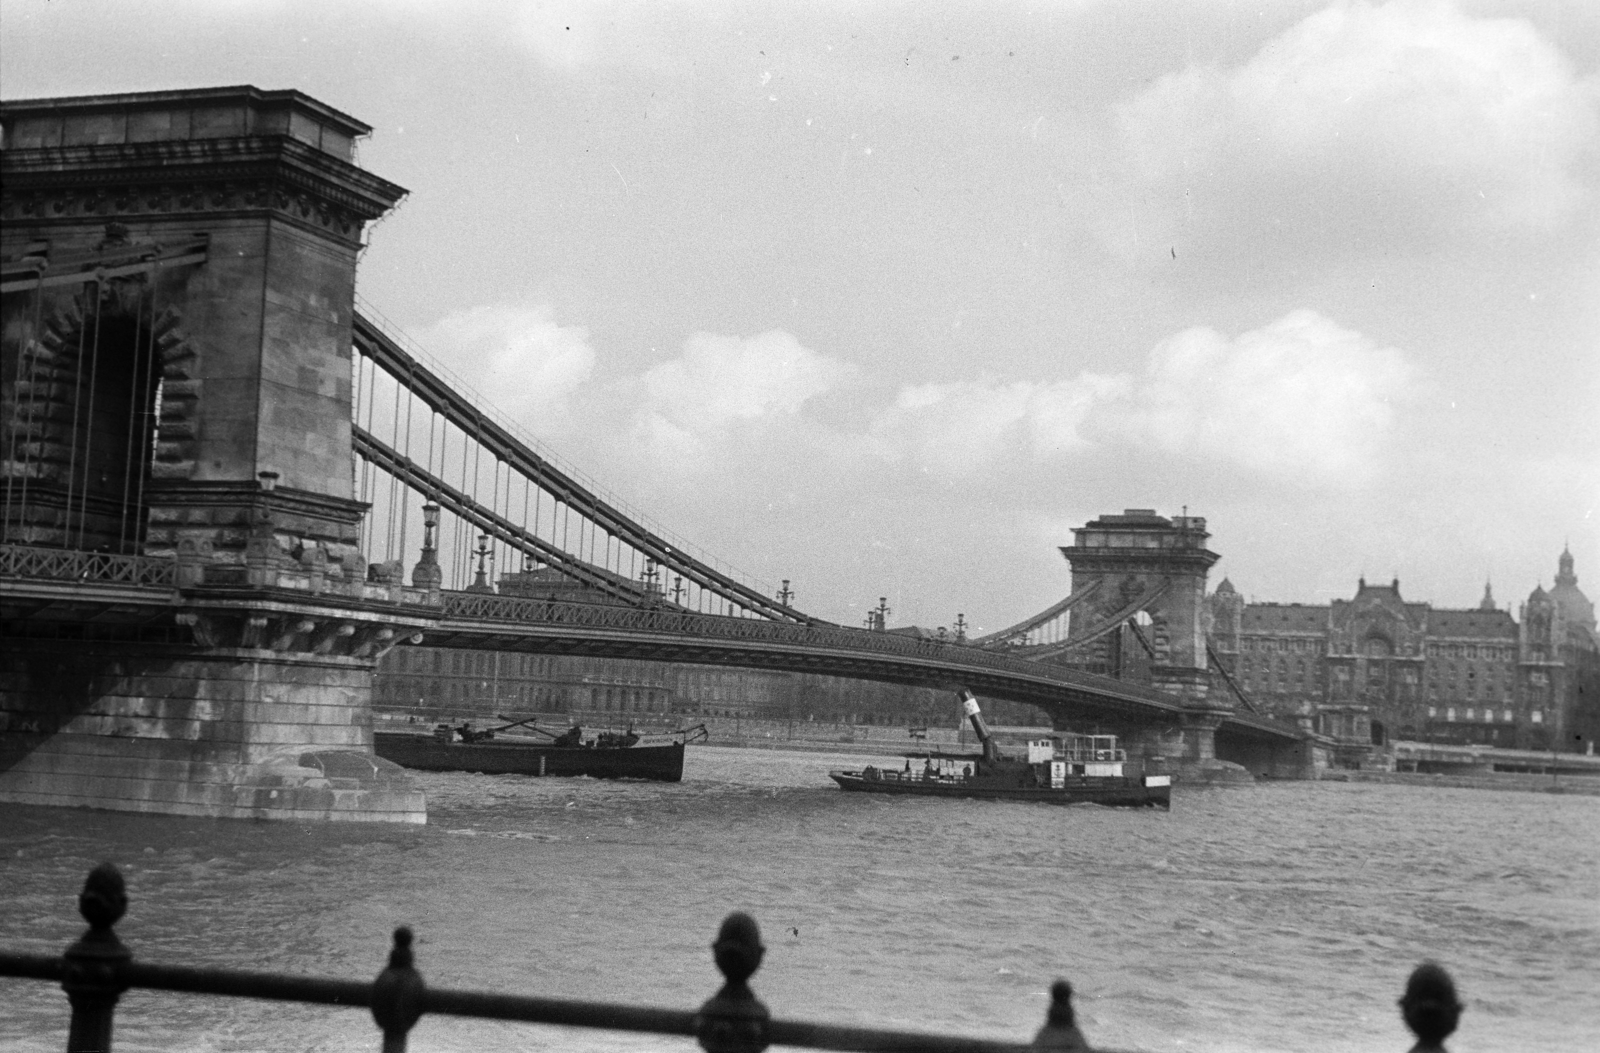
(966, 426)
(722, 381)
(1409, 118)
(1299, 398)
(520, 357)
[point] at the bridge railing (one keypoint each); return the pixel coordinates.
(97, 968)
(519, 609)
(58, 564)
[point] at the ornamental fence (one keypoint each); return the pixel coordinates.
(97, 968)
(102, 568)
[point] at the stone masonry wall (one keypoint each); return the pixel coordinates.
(233, 733)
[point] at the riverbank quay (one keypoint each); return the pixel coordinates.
(97, 969)
(1582, 785)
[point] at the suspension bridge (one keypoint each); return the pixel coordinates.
(229, 488)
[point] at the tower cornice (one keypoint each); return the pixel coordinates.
(170, 179)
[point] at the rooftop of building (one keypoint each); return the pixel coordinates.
(199, 113)
(1484, 622)
(1284, 617)
(1471, 623)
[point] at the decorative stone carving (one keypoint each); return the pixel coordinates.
(243, 174)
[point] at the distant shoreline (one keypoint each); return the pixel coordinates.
(1585, 786)
(1581, 785)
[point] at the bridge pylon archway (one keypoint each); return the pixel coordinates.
(175, 421)
(1143, 564)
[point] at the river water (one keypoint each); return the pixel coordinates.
(1272, 919)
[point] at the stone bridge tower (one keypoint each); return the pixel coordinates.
(1150, 564)
(175, 377)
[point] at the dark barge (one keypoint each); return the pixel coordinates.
(608, 755)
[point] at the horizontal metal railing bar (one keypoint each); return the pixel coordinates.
(559, 1011)
(872, 1040)
(483, 1005)
(31, 966)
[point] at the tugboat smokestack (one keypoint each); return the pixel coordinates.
(969, 706)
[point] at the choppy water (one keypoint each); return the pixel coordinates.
(1269, 920)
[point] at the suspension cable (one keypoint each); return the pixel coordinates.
(150, 392)
(21, 434)
(128, 444)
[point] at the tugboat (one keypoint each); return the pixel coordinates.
(1071, 769)
(607, 755)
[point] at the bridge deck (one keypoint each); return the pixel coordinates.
(37, 591)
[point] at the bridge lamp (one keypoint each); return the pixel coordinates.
(430, 526)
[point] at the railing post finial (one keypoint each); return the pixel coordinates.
(1060, 1029)
(398, 994)
(93, 971)
(734, 1020)
(1430, 1007)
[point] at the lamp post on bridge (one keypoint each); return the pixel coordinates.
(785, 594)
(481, 582)
(427, 574)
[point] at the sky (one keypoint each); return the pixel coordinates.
(886, 298)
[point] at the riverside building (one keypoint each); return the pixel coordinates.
(1378, 667)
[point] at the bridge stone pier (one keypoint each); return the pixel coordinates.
(175, 376)
(1143, 563)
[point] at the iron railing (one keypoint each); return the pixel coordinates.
(97, 968)
(60, 564)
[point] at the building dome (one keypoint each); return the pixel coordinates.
(1574, 605)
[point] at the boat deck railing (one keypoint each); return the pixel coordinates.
(97, 968)
(1091, 756)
